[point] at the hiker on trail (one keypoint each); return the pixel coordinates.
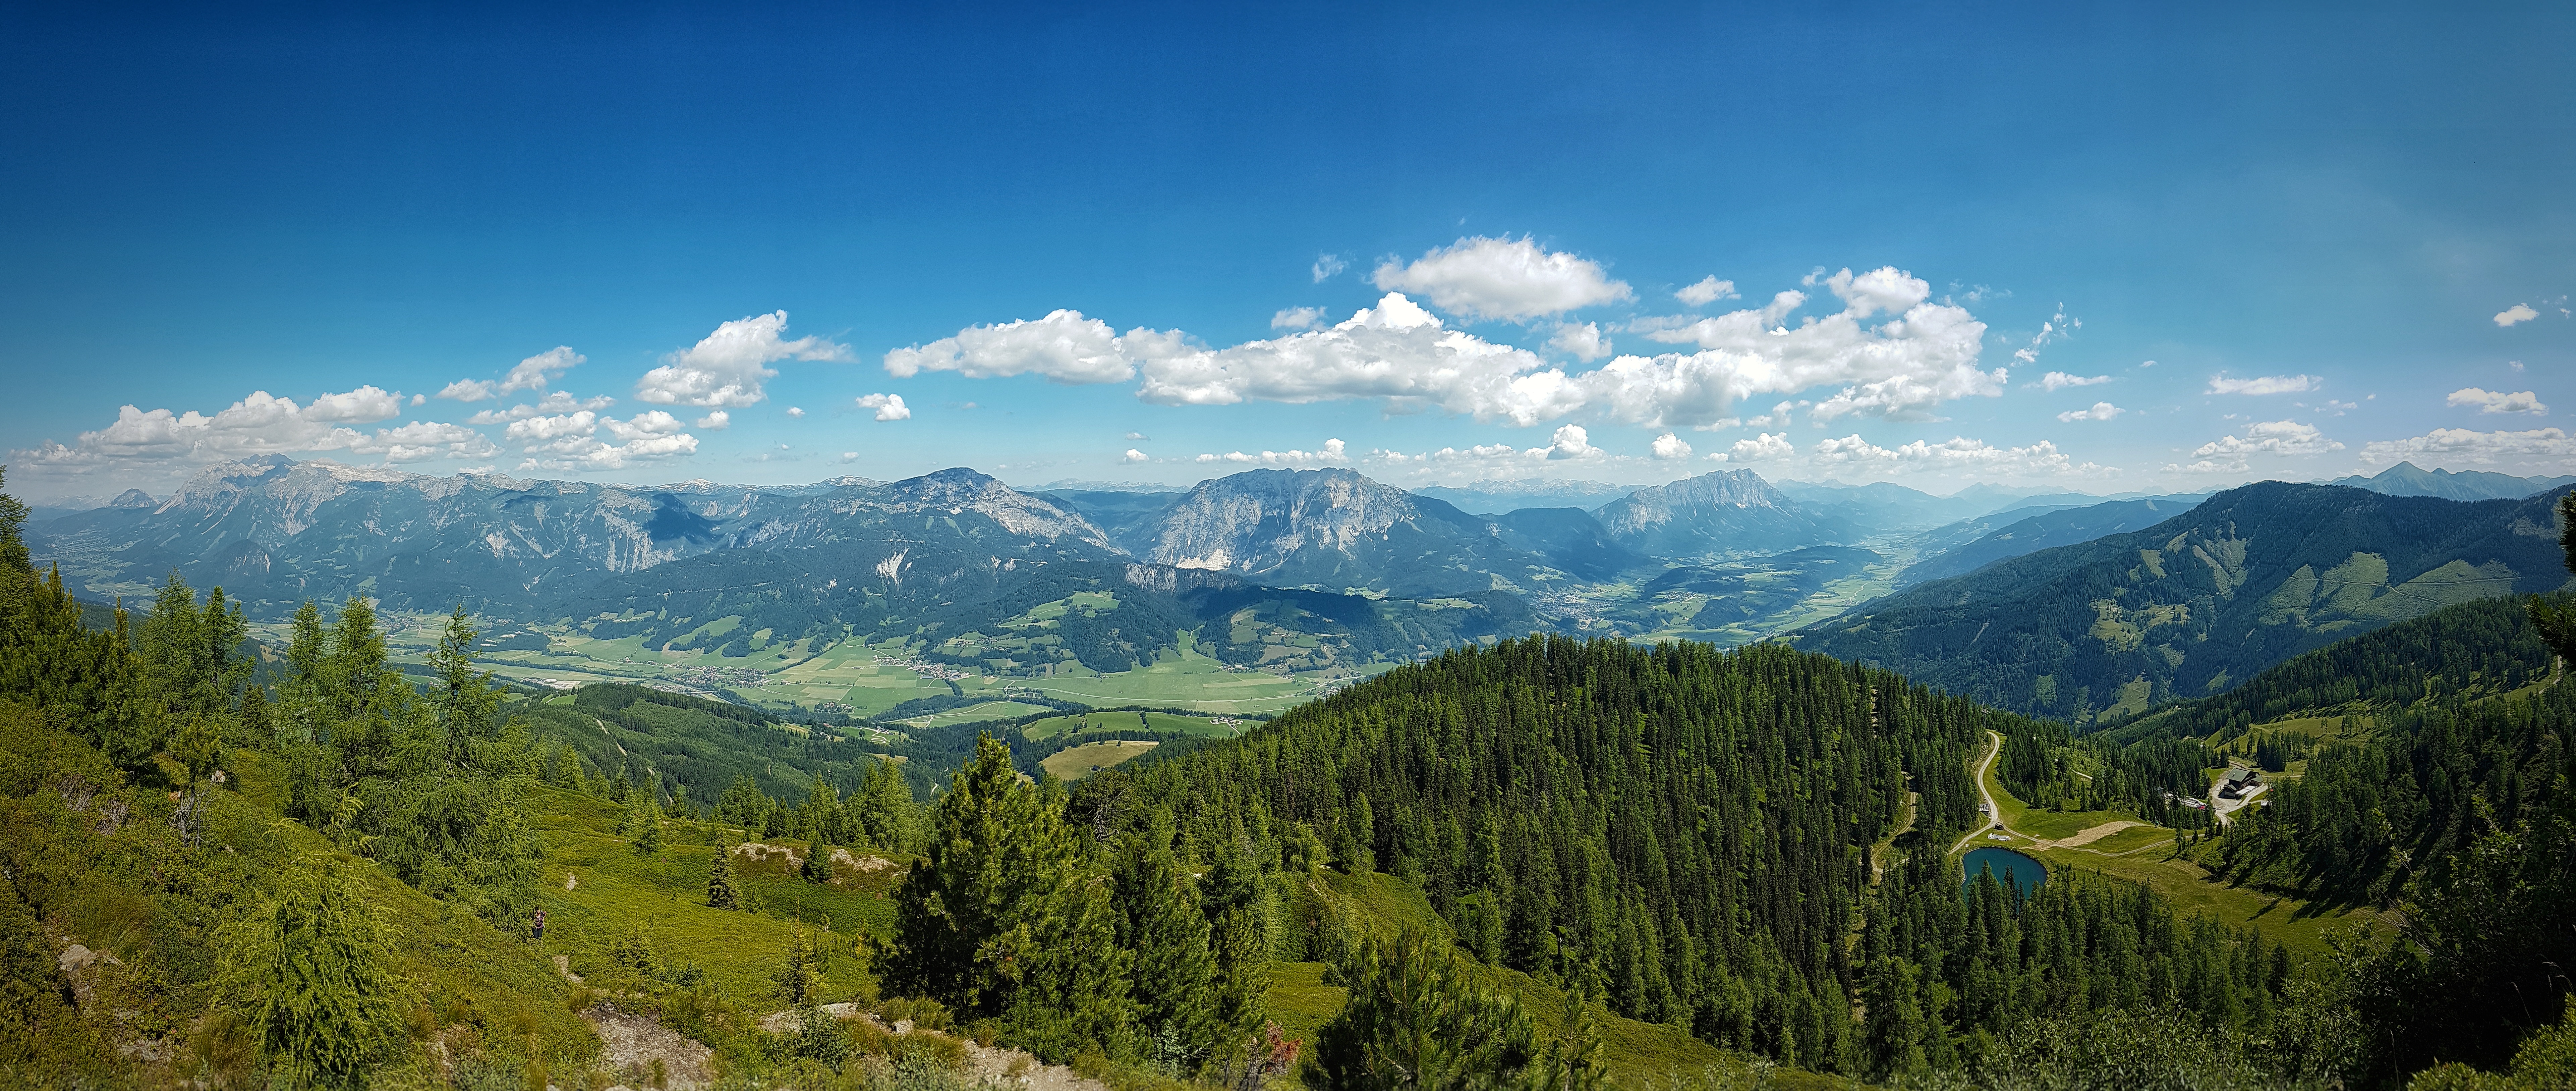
(541, 924)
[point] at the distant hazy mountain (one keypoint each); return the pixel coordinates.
(1338, 530)
(2214, 594)
(2408, 479)
(2043, 528)
(1497, 497)
(1729, 512)
(1982, 498)
(1569, 539)
(1877, 507)
(1128, 517)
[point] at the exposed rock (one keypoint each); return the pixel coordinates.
(630, 1043)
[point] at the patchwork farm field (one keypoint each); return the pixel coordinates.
(864, 678)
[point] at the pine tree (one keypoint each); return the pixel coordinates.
(1005, 919)
(1168, 934)
(1417, 1019)
(720, 889)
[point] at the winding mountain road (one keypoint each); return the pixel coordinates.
(1994, 814)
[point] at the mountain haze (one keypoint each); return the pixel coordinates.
(1720, 513)
(2408, 479)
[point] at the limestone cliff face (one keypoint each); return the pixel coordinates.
(1253, 522)
(1339, 530)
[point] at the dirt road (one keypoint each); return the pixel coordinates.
(1994, 814)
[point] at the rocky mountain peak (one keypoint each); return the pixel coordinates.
(1230, 522)
(959, 490)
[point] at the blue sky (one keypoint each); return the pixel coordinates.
(2325, 227)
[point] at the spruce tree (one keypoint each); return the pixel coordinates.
(1894, 1043)
(720, 889)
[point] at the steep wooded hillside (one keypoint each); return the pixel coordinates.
(1686, 829)
(2198, 602)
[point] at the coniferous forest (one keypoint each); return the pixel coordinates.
(1506, 864)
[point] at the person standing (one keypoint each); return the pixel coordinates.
(540, 923)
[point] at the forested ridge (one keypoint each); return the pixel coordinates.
(1684, 830)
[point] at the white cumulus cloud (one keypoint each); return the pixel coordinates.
(1892, 352)
(556, 403)
(2519, 312)
(795, 412)
(1296, 318)
(571, 442)
(536, 371)
(1063, 346)
(1765, 447)
(532, 374)
(1328, 266)
(2058, 380)
(1923, 354)
(365, 405)
(2100, 411)
(1571, 441)
(1582, 342)
(421, 441)
(1505, 278)
(725, 368)
(2264, 384)
(1669, 446)
(2490, 401)
(888, 406)
(1705, 291)
(716, 421)
(2232, 454)
(1134, 455)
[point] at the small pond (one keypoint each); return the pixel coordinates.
(2008, 866)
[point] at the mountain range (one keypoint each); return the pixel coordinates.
(2209, 596)
(2072, 610)
(2408, 479)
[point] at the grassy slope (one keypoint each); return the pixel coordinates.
(467, 971)
(662, 897)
